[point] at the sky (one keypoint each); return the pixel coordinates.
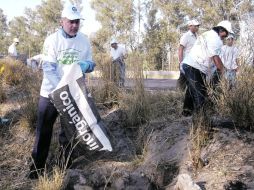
(12, 8)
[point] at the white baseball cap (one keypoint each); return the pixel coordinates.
(230, 36)
(16, 40)
(113, 41)
(71, 12)
(227, 25)
(193, 22)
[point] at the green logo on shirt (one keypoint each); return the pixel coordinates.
(69, 56)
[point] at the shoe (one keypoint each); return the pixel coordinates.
(4, 121)
(33, 175)
(186, 113)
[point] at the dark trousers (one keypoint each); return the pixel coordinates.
(47, 115)
(196, 89)
(182, 84)
(118, 72)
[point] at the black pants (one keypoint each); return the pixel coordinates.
(196, 90)
(47, 115)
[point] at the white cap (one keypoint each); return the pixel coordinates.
(113, 41)
(230, 36)
(16, 40)
(193, 22)
(227, 25)
(71, 12)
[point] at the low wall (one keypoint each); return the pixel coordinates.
(148, 74)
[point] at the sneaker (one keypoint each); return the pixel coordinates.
(4, 121)
(186, 113)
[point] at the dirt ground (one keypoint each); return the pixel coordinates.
(147, 157)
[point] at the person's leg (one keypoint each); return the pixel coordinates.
(196, 86)
(114, 72)
(188, 103)
(230, 77)
(47, 115)
(122, 73)
(181, 82)
(117, 72)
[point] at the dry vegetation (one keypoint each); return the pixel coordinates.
(237, 103)
(147, 113)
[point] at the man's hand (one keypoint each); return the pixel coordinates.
(86, 66)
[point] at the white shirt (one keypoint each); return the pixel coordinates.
(12, 51)
(206, 46)
(187, 41)
(61, 51)
(118, 52)
(37, 58)
(228, 56)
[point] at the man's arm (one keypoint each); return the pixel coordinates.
(217, 61)
(180, 53)
(50, 72)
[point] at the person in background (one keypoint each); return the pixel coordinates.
(65, 46)
(118, 54)
(203, 55)
(12, 51)
(186, 43)
(35, 62)
(229, 55)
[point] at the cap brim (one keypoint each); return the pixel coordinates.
(74, 18)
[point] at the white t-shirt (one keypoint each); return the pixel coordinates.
(206, 46)
(228, 56)
(119, 52)
(12, 51)
(62, 51)
(187, 41)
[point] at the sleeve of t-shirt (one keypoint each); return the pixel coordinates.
(49, 64)
(49, 53)
(213, 47)
(89, 52)
(184, 40)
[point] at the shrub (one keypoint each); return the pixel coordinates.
(12, 71)
(53, 182)
(200, 134)
(237, 102)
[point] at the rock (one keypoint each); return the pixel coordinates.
(133, 182)
(235, 185)
(184, 182)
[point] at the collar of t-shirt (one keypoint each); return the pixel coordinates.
(65, 35)
(192, 34)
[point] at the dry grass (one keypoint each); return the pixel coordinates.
(237, 103)
(2, 92)
(106, 92)
(22, 91)
(29, 113)
(135, 102)
(53, 182)
(13, 71)
(200, 134)
(166, 105)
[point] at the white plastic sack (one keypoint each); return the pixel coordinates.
(78, 111)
